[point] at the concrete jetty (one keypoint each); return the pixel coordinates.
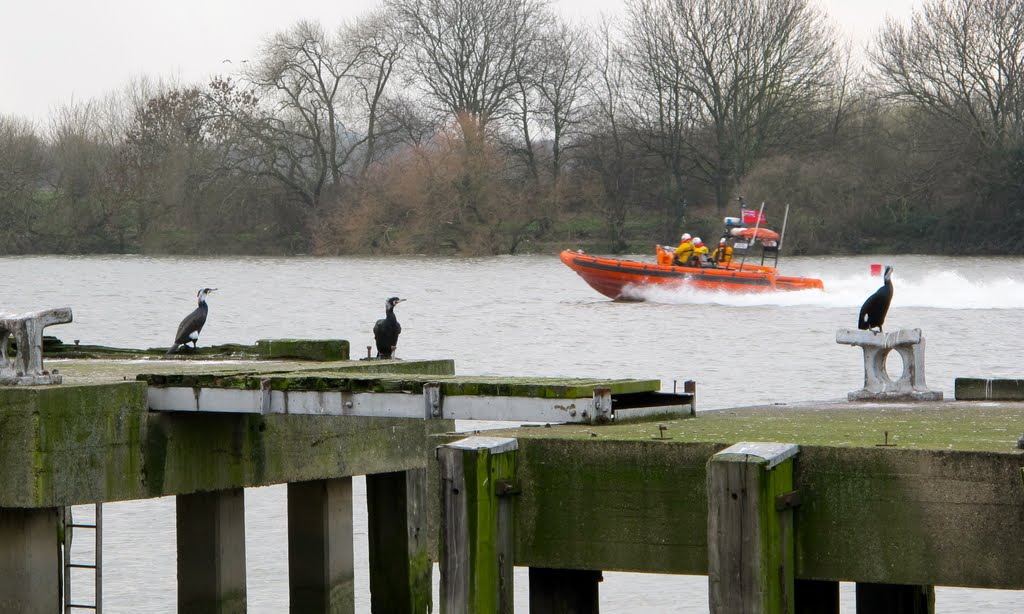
(775, 504)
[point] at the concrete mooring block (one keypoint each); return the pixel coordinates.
(27, 329)
(878, 386)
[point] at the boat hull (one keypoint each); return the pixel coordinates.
(613, 277)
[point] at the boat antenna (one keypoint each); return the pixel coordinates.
(757, 224)
(782, 236)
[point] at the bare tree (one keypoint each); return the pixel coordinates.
(323, 95)
(470, 55)
(380, 46)
(726, 80)
(961, 61)
(606, 154)
(566, 69)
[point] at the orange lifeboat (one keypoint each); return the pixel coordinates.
(617, 279)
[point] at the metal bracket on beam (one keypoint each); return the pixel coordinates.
(602, 406)
(432, 400)
(787, 500)
(265, 403)
(506, 488)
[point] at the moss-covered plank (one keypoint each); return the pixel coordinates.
(750, 540)
(476, 535)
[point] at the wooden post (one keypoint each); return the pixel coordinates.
(211, 552)
(401, 571)
(817, 597)
(564, 591)
(895, 599)
(750, 529)
(321, 573)
(30, 560)
(476, 525)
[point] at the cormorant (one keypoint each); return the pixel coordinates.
(387, 329)
(872, 313)
(190, 327)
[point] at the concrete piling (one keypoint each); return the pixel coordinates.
(321, 567)
(211, 552)
(30, 567)
(401, 569)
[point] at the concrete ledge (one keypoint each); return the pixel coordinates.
(323, 350)
(867, 338)
(974, 389)
(66, 445)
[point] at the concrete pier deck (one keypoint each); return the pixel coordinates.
(897, 497)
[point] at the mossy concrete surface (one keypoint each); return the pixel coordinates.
(67, 444)
(974, 389)
(306, 349)
(91, 371)
(946, 425)
(938, 507)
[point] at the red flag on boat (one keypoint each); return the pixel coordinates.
(750, 217)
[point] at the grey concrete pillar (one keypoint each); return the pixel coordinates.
(29, 561)
(400, 566)
(211, 552)
(320, 560)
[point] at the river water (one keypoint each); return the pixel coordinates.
(524, 316)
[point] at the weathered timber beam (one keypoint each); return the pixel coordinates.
(477, 478)
(750, 529)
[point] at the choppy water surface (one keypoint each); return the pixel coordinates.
(520, 316)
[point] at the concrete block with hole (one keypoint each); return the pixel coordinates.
(878, 386)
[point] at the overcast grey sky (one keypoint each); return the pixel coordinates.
(56, 51)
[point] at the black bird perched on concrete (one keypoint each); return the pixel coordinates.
(192, 325)
(872, 313)
(387, 329)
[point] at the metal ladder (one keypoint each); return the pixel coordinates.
(95, 566)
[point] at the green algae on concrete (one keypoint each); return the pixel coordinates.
(612, 505)
(937, 508)
(974, 389)
(69, 443)
(324, 350)
(946, 425)
(64, 445)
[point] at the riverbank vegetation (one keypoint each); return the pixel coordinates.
(435, 126)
